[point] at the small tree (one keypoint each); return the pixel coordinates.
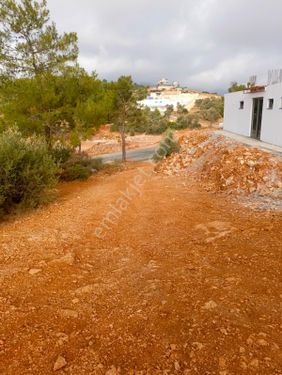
(167, 146)
(125, 104)
(169, 110)
(185, 121)
(181, 110)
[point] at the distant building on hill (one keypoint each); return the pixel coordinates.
(167, 93)
(164, 84)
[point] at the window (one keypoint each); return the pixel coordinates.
(270, 104)
(241, 104)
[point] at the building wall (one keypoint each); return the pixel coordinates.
(239, 121)
(271, 130)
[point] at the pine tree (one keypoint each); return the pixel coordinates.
(29, 42)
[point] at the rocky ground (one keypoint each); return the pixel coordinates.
(221, 164)
(141, 273)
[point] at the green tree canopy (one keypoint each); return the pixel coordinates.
(55, 105)
(169, 110)
(29, 42)
(234, 86)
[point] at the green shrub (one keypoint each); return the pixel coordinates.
(189, 121)
(79, 167)
(75, 172)
(158, 127)
(60, 152)
(97, 164)
(27, 170)
(210, 109)
(167, 147)
(211, 115)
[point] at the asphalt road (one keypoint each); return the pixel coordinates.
(142, 154)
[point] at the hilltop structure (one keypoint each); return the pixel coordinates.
(164, 84)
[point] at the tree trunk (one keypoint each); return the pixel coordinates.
(123, 143)
(47, 134)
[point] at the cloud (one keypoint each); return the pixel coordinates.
(204, 44)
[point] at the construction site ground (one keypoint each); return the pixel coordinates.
(179, 280)
(252, 142)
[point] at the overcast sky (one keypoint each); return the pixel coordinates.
(204, 44)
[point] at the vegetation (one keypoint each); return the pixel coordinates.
(32, 55)
(55, 104)
(66, 106)
(125, 106)
(30, 43)
(210, 109)
(167, 147)
(126, 115)
(52, 101)
(187, 121)
(169, 111)
(43, 90)
(234, 86)
(79, 167)
(60, 152)
(181, 110)
(26, 170)
(154, 122)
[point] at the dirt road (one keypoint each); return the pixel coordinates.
(177, 281)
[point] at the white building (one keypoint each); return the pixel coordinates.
(256, 113)
(163, 82)
(160, 101)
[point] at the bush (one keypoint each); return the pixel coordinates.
(210, 109)
(189, 121)
(60, 152)
(75, 172)
(27, 170)
(97, 164)
(79, 167)
(158, 127)
(167, 147)
(211, 115)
